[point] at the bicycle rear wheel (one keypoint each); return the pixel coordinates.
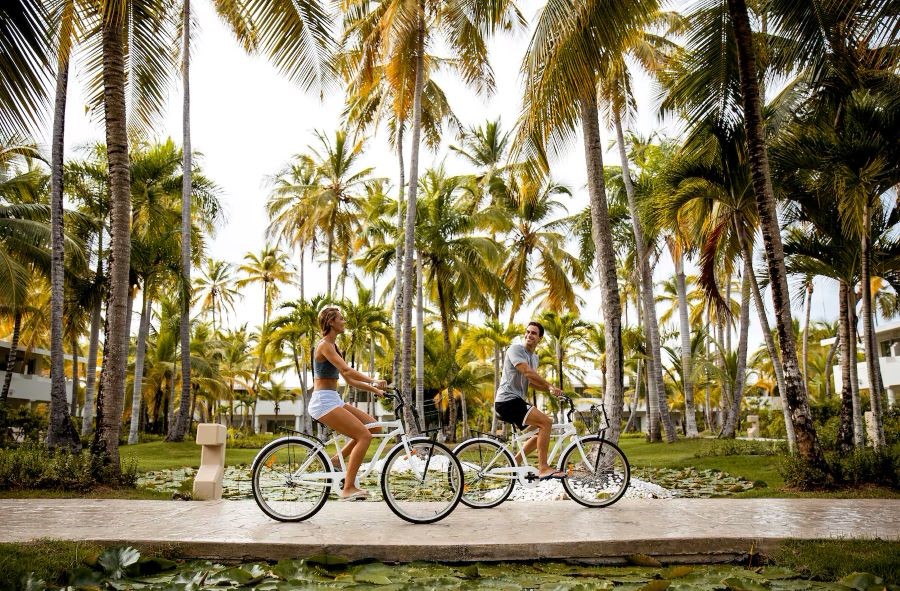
(598, 472)
(290, 479)
(480, 459)
(423, 486)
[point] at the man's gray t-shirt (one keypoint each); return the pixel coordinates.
(513, 384)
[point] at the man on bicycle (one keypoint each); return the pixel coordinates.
(519, 370)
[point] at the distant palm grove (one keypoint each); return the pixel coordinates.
(785, 175)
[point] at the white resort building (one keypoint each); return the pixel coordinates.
(887, 337)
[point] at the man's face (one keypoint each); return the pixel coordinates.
(532, 336)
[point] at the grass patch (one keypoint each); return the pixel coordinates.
(49, 561)
(830, 560)
(159, 455)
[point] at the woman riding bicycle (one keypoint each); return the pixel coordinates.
(327, 407)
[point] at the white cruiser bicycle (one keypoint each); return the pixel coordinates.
(420, 477)
(597, 471)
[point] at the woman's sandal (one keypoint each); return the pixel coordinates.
(359, 495)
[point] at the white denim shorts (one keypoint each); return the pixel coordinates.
(323, 402)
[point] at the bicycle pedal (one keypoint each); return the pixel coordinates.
(531, 477)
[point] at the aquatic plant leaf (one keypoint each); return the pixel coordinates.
(114, 561)
(642, 560)
(656, 585)
(744, 584)
(778, 572)
(373, 578)
(677, 572)
(860, 581)
(327, 559)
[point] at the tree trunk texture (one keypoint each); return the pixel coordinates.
(420, 343)
(687, 358)
(60, 431)
(73, 409)
(873, 363)
(87, 413)
(398, 280)
(845, 427)
(139, 356)
(410, 226)
(645, 275)
(112, 382)
(807, 442)
(859, 430)
(183, 423)
(804, 346)
(11, 358)
(601, 232)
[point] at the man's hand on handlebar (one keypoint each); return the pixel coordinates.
(556, 391)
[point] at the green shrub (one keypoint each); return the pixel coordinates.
(860, 467)
(240, 440)
(32, 466)
(892, 425)
(800, 474)
(742, 447)
(31, 425)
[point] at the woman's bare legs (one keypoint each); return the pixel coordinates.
(346, 422)
(365, 418)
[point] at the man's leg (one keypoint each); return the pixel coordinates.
(529, 446)
(536, 418)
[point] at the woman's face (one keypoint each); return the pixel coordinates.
(338, 324)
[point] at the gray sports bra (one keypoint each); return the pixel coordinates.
(325, 369)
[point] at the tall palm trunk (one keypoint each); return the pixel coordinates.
(448, 350)
(87, 413)
(330, 255)
(807, 442)
(734, 414)
(410, 226)
(646, 282)
(653, 434)
(859, 433)
(60, 431)
(601, 232)
(770, 347)
(804, 346)
(183, 423)
(73, 408)
(420, 343)
(139, 355)
(873, 363)
(845, 426)
(11, 358)
(398, 271)
(112, 382)
(687, 359)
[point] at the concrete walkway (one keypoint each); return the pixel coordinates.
(681, 530)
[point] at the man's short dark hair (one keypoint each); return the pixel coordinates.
(539, 326)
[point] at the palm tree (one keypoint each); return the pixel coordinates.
(269, 267)
(454, 260)
(491, 338)
(278, 393)
(215, 289)
(25, 60)
(565, 330)
(572, 45)
(407, 28)
(296, 329)
(537, 246)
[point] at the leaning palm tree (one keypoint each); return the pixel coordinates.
(269, 267)
(25, 60)
(572, 45)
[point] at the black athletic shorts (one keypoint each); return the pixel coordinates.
(513, 411)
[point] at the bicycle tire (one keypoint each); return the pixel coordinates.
(583, 484)
(438, 497)
(472, 458)
(274, 489)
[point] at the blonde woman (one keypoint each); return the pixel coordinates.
(327, 407)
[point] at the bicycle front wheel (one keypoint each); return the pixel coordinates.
(290, 479)
(486, 466)
(598, 472)
(424, 484)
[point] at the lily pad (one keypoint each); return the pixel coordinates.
(744, 584)
(643, 560)
(677, 572)
(657, 585)
(861, 581)
(114, 561)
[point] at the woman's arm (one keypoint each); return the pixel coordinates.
(348, 373)
(363, 386)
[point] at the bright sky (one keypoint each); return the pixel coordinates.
(248, 122)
